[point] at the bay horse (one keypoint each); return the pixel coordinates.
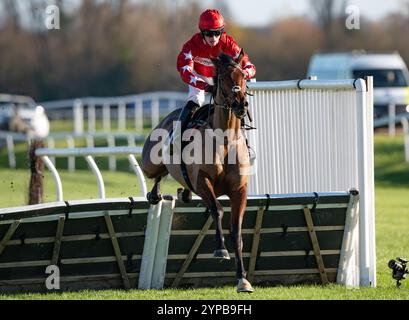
(224, 174)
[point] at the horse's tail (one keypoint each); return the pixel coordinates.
(35, 192)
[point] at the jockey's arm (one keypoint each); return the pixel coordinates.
(248, 68)
(185, 65)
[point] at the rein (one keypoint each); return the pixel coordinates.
(235, 89)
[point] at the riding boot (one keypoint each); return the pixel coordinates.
(187, 113)
(252, 153)
(184, 118)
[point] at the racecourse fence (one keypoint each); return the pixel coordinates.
(317, 135)
(292, 119)
(142, 108)
(9, 139)
(89, 154)
(392, 119)
(125, 243)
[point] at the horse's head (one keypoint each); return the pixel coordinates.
(230, 84)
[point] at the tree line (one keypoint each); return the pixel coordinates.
(109, 48)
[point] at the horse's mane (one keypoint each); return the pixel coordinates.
(224, 61)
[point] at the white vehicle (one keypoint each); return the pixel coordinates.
(391, 76)
(22, 114)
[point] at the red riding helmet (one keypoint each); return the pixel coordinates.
(211, 19)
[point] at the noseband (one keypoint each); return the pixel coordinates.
(235, 89)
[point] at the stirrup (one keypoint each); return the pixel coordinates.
(252, 155)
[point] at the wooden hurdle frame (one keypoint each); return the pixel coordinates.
(125, 243)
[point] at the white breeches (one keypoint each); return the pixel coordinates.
(196, 95)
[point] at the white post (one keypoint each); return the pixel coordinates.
(162, 245)
(51, 145)
(139, 115)
(135, 166)
(90, 140)
(155, 112)
(111, 159)
(366, 186)
(131, 143)
(131, 140)
(97, 173)
(149, 248)
(10, 151)
(405, 127)
(56, 176)
(348, 268)
(91, 117)
(106, 117)
(370, 180)
(122, 116)
(172, 105)
(392, 114)
(78, 116)
(71, 160)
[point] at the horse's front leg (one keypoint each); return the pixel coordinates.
(238, 201)
(206, 192)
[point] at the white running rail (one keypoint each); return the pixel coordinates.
(88, 154)
(405, 128)
(11, 138)
(122, 107)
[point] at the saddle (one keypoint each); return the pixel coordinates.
(201, 117)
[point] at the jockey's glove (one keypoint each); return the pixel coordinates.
(209, 88)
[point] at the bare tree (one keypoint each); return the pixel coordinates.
(12, 13)
(327, 13)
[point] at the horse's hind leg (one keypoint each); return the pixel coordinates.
(206, 192)
(154, 196)
(153, 171)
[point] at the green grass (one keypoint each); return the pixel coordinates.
(392, 225)
(296, 292)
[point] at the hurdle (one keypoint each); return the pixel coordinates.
(317, 136)
(125, 243)
(287, 239)
(96, 244)
(309, 216)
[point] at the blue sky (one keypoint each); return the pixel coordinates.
(261, 12)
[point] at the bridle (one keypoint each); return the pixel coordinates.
(234, 90)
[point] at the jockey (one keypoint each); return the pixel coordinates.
(195, 66)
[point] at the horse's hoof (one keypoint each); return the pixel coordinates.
(153, 198)
(244, 286)
(186, 196)
(221, 254)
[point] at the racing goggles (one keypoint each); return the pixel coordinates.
(211, 33)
